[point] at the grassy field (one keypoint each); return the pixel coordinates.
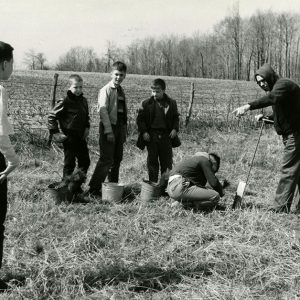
(154, 250)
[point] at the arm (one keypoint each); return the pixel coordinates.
(12, 159)
(103, 100)
(54, 115)
(175, 120)
(210, 176)
(141, 122)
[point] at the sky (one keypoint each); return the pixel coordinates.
(53, 27)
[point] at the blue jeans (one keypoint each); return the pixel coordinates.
(290, 173)
(201, 197)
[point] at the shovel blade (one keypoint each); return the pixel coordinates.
(239, 195)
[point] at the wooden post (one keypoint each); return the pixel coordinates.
(190, 108)
(53, 100)
(53, 91)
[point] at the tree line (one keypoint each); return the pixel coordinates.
(234, 49)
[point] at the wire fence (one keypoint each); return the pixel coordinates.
(31, 94)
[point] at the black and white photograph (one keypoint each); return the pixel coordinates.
(149, 150)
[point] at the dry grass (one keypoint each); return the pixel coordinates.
(154, 250)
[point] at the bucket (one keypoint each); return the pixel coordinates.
(112, 191)
(150, 191)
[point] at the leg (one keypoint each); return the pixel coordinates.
(70, 156)
(3, 206)
(152, 160)
(165, 154)
(201, 198)
(113, 174)
(290, 172)
(104, 163)
(83, 156)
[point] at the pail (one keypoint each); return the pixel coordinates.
(112, 191)
(150, 191)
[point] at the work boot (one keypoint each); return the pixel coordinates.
(3, 286)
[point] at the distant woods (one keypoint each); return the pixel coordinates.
(233, 50)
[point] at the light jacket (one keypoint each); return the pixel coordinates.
(108, 106)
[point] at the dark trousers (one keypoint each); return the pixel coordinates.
(290, 173)
(159, 153)
(111, 155)
(3, 206)
(75, 148)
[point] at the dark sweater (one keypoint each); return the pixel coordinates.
(284, 98)
(71, 113)
(198, 170)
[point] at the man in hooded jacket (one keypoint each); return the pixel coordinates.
(284, 96)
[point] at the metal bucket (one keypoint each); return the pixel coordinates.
(150, 191)
(112, 191)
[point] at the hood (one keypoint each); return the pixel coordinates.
(267, 73)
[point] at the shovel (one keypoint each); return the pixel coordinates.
(237, 202)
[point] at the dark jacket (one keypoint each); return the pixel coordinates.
(198, 170)
(72, 114)
(284, 98)
(145, 118)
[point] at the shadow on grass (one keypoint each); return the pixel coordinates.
(144, 278)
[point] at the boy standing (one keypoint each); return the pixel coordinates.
(72, 115)
(6, 149)
(158, 124)
(112, 108)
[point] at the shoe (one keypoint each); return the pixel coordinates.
(80, 198)
(93, 193)
(3, 286)
(279, 210)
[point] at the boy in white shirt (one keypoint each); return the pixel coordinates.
(6, 150)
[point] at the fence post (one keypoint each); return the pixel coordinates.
(190, 108)
(53, 100)
(53, 91)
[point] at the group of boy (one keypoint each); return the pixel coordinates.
(158, 125)
(157, 120)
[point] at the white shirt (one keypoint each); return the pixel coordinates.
(6, 128)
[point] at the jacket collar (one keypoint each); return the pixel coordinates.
(73, 97)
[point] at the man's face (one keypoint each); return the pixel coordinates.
(76, 87)
(157, 92)
(262, 83)
(117, 77)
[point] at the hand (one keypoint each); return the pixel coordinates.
(225, 183)
(240, 111)
(86, 133)
(258, 117)
(3, 176)
(173, 133)
(146, 137)
(59, 137)
(111, 137)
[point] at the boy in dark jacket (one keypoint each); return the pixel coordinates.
(158, 124)
(72, 116)
(284, 96)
